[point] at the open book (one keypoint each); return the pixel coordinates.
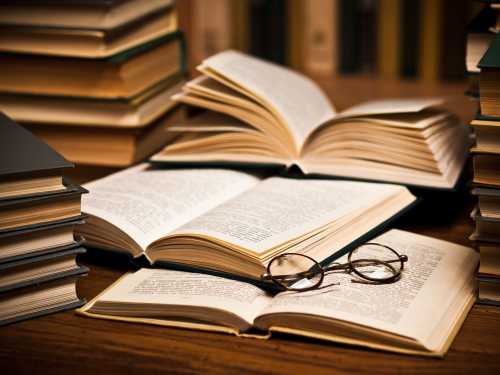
(419, 314)
(230, 221)
(267, 114)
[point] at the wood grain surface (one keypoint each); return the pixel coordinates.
(65, 343)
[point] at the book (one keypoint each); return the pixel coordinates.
(488, 201)
(119, 76)
(109, 146)
(389, 45)
(486, 171)
(29, 271)
(30, 210)
(401, 317)
(488, 81)
(40, 299)
(487, 130)
(27, 165)
(135, 112)
(96, 15)
(320, 35)
(41, 239)
(488, 274)
(231, 221)
(410, 33)
(92, 44)
(282, 118)
(487, 228)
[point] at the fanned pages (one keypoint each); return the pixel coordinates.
(268, 114)
(230, 221)
(402, 317)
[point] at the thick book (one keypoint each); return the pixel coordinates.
(29, 211)
(135, 112)
(91, 15)
(27, 165)
(85, 43)
(41, 239)
(402, 317)
(110, 146)
(40, 299)
(487, 130)
(488, 202)
(259, 112)
(231, 221)
(488, 275)
(122, 75)
(35, 270)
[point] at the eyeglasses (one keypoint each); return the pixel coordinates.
(371, 263)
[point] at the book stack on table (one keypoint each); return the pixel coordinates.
(38, 213)
(486, 163)
(93, 79)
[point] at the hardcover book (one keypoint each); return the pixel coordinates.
(261, 113)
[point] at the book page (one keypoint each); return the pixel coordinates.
(389, 106)
(294, 98)
(279, 210)
(436, 270)
(168, 287)
(149, 203)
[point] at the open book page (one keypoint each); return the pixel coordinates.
(293, 98)
(149, 203)
(167, 287)
(390, 106)
(412, 307)
(279, 210)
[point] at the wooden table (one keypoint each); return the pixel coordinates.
(65, 343)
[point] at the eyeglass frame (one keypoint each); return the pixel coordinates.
(335, 266)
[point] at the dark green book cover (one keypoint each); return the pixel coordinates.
(491, 58)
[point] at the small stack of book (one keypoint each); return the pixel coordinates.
(486, 163)
(92, 78)
(38, 213)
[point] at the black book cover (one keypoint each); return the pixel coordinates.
(78, 270)
(349, 34)
(22, 153)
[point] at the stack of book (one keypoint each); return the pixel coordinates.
(92, 78)
(486, 163)
(39, 211)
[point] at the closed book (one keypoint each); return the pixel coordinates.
(85, 14)
(84, 43)
(31, 271)
(489, 79)
(122, 75)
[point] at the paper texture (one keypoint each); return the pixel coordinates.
(412, 307)
(278, 87)
(279, 210)
(148, 204)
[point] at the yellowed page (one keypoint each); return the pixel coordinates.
(388, 106)
(176, 289)
(279, 210)
(148, 204)
(435, 274)
(294, 99)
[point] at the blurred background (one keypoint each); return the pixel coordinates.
(408, 39)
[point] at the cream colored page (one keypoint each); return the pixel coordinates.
(387, 106)
(281, 209)
(168, 287)
(148, 204)
(298, 100)
(411, 307)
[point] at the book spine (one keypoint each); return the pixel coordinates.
(430, 48)
(349, 36)
(320, 37)
(409, 42)
(389, 13)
